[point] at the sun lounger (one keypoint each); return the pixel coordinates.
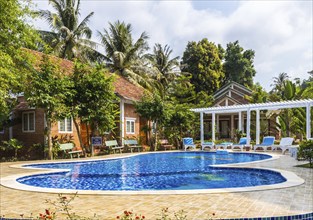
(242, 143)
(209, 145)
(268, 141)
(224, 145)
(188, 143)
(284, 144)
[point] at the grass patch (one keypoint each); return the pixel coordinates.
(307, 165)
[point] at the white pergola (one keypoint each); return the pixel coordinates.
(248, 108)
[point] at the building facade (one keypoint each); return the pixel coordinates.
(28, 124)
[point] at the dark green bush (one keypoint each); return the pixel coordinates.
(306, 151)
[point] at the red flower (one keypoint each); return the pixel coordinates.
(213, 213)
(130, 213)
(117, 217)
(137, 217)
(143, 217)
(47, 212)
(125, 212)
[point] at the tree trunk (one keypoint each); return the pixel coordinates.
(50, 146)
(156, 136)
(78, 130)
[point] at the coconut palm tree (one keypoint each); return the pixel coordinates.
(68, 38)
(279, 82)
(124, 55)
(165, 69)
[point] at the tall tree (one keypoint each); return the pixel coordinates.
(68, 38)
(48, 89)
(279, 81)
(123, 54)
(93, 102)
(152, 108)
(238, 65)
(203, 61)
(15, 33)
(165, 68)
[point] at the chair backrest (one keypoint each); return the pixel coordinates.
(243, 140)
(163, 141)
(286, 141)
(130, 142)
(66, 146)
(268, 140)
(111, 143)
(208, 143)
(187, 141)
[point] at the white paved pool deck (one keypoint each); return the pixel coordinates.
(261, 203)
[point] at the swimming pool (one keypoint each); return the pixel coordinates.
(156, 171)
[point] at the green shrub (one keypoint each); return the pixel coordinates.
(306, 151)
(12, 144)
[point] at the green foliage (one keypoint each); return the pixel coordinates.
(180, 122)
(238, 64)
(12, 144)
(93, 100)
(14, 34)
(306, 151)
(48, 88)
(203, 61)
(279, 83)
(122, 54)
(259, 95)
(152, 107)
(69, 39)
(164, 69)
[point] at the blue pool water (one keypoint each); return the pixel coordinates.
(161, 171)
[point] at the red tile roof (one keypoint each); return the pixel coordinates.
(123, 88)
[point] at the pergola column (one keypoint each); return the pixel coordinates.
(201, 127)
(218, 123)
(308, 121)
(239, 121)
(248, 126)
(257, 136)
(213, 127)
(232, 126)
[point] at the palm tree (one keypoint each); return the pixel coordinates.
(165, 69)
(279, 82)
(123, 55)
(68, 38)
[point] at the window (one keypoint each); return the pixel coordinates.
(130, 126)
(28, 122)
(65, 125)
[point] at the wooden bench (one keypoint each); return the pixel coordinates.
(165, 145)
(132, 144)
(68, 148)
(113, 145)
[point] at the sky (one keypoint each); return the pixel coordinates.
(280, 32)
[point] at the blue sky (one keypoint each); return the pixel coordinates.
(280, 32)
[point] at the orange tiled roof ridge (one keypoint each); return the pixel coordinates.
(122, 87)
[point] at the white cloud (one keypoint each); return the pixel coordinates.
(280, 32)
